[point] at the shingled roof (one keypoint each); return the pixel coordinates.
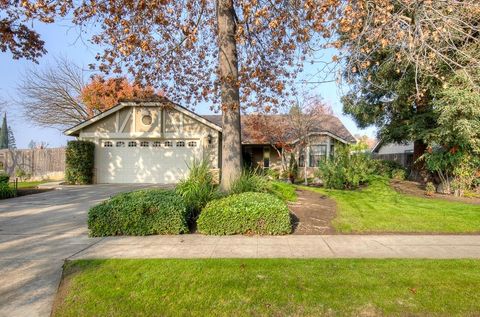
(326, 124)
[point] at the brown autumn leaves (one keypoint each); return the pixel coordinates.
(173, 44)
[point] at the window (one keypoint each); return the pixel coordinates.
(147, 119)
(332, 150)
(168, 144)
(107, 144)
(192, 144)
(144, 144)
(157, 144)
(318, 154)
(132, 144)
(120, 144)
(180, 144)
(266, 156)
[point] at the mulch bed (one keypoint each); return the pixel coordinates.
(312, 213)
(418, 189)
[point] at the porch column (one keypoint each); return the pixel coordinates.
(329, 139)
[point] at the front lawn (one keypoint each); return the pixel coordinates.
(379, 208)
(33, 184)
(269, 287)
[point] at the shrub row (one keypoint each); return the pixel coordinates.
(143, 212)
(6, 191)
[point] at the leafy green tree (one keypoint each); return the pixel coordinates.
(4, 134)
(384, 95)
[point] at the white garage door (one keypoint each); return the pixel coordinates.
(130, 161)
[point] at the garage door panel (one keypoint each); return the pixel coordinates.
(144, 165)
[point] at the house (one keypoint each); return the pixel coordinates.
(402, 153)
(153, 140)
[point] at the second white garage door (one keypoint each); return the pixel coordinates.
(160, 162)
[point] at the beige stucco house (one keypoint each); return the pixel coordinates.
(154, 140)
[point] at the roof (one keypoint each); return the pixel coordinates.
(327, 124)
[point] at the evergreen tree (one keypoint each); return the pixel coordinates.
(4, 134)
(12, 144)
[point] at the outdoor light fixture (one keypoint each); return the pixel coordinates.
(209, 138)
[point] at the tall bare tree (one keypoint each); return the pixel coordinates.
(50, 97)
(303, 120)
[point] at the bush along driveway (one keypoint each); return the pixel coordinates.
(380, 209)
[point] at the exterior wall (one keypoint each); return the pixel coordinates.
(395, 148)
(167, 124)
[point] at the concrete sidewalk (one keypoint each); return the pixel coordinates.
(329, 246)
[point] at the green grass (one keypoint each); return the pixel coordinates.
(30, 184)
(379, 208)
(283, 191)
(270, 287)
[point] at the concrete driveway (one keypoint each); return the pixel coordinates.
(37, 233)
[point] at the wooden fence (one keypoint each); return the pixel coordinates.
(35, 163)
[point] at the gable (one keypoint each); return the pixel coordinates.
(144, 117)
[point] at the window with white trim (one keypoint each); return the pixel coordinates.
(107, 144)
(120, 144)
(144, 144)
(180, 144)
(168, 144)
(318, 154)
(157, 144)
(132, 144)
(192, 144)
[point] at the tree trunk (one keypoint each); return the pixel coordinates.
(418, 172)
(230, 96)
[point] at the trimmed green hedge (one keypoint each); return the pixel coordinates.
(254, 213)
(6, 191)
(4, 178)
(80, 161)
(139, 213)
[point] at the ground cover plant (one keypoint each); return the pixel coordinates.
(245, 213)
(269, 287)
(144, 212)
(379, 208)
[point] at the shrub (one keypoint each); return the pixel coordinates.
(429, 189)
(4, 178)
(249, 181)
(399, 174)
(347, 170)
(79, 162)
(143, 212)
(198, 188)
(386, 168)
(254, 213)
(6, 191)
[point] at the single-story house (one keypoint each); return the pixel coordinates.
(154, 140)
(402, 153)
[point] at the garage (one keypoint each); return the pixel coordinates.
(144, 161)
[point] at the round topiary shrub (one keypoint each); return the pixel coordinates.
(254, 213)
(139, 213)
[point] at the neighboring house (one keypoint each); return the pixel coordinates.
(401, 153)
(154, 140)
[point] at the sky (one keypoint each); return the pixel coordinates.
(63, 40)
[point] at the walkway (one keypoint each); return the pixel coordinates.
(292, 246)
